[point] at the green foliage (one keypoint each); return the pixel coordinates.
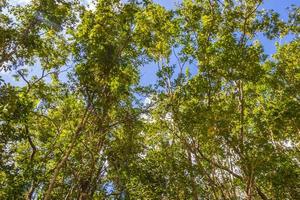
(76, 125)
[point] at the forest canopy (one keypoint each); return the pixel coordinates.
(79, 118)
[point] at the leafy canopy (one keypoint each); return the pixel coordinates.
(221, 121)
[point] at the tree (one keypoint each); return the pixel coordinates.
(221, 122)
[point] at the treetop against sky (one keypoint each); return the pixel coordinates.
(148, 72)
(197, 99)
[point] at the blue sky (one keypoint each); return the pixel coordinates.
(280, 7)
(148, 72)
(277, 5)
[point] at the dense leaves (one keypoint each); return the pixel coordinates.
(221, 122)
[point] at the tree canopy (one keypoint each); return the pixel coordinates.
(222, 120)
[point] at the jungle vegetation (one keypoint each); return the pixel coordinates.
(221, 121)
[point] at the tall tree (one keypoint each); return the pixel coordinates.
(221, 121)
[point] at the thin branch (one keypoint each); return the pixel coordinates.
(61, 163)
(33, 147)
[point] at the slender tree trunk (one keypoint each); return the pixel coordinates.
(30, 191)
(242, 108)
(58, 167)
(261, 194)
(66, 155)
(33, 147)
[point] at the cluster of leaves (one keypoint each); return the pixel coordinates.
(81, 130)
